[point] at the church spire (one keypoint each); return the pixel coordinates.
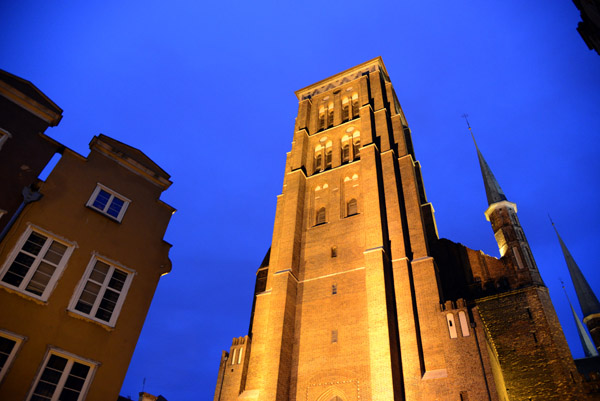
(492, 189)
(586, 341)
(587, 299)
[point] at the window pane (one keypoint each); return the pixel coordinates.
(45, 390)
(55, 252)
(51, 375)
(99, 272)
(18, 269)
(107, 305)
(101, 200)
(80, 370)
(74, 383)
(88, 297)
(40, 279)
(118, 280)
(68, 395)
(115, 207)
(6, 347)
(34, 243)
(57, 362)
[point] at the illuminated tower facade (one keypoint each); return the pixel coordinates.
(358, 298)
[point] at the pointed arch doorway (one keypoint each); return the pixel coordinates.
(332, 394)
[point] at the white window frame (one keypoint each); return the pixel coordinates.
(122, 295)
(113, 194)
(55, 276)
(4, 136)
(71, 359)
(18, 342)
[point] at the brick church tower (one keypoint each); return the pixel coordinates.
(358, 298)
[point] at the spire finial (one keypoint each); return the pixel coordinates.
(466, 117)
(493, 191)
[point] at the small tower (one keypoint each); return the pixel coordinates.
(587, 299)
(502, 214)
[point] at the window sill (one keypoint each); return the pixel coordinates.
(108, 216)
(89, 319)
(22, 294)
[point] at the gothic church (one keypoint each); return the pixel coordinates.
(359, 299)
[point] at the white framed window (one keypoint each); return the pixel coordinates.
(9, 345)
(102, 291)
(36, 263)
(4, 135)
(108, 202)
(64, 377)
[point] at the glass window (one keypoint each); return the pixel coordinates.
(102, 294)
(108, 202)
(36, 264)
(62, 378)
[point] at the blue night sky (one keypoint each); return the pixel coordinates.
(206, 89)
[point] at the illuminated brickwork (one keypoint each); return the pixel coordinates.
(358, 299)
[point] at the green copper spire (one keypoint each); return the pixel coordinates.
(493, 191)
(586, 342)
(587, 299)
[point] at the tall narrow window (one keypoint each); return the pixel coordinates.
(9, 344)
(63, 377)
(318, 162)
(345, 153)
(328, 155)
(334, 251)
(330, 114)
(318, 158)
(334, 336)
(334, 289)
(36, 264)
(356, 145)
(345, 109)
(354, 105)
(102, 293)
(352, 207)
(233, 356)
(321, 216)
(451, 325)
(321, 117)
(464, 326)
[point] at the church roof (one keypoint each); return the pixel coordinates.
(587, 299)
(493, 191)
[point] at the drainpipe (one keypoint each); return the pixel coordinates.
(30, 194)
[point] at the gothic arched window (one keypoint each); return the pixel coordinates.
(356, 145)
(330, 114)
(321, 216)
(352, 207)
(318, 159)
(321, 118)
(328, 155)
(354, 105)
(345, 109)
(345, 149)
